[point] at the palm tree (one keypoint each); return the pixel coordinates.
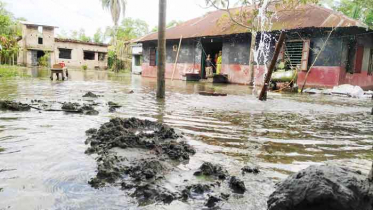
(116, 8)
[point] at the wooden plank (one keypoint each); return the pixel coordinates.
(177, 58)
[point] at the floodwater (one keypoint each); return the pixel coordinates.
(43, 165)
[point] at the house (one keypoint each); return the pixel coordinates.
(347, 57)
(38, 40)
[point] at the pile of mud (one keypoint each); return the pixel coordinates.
(77, 108)
(323, 187)
(139, 154)
(14, 106)
(90, 95)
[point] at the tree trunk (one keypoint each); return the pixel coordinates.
(161, 49)
(371, 174)
(251, 65)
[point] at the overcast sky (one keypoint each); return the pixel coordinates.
(88, 14)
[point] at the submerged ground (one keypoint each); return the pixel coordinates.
(43, 165)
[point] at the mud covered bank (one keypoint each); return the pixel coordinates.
(138, 155)
(14, 106)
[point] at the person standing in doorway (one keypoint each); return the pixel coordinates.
(219, 62)
(215, 62)
(209, 66)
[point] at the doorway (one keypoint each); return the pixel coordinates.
(212, 47)
(35, 56)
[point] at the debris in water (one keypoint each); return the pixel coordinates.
(212, 201)
(90, 95)
(14, 106)
(251, 170)
(237, 185)
(204, 93)
(209, 169)
(77, 108)
(195, 189)
(115, 105)
(323, 187)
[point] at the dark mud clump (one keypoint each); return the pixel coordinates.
(150, 193)
(77, 108)
(237, 185)
(113, 104)
(209, 169)
(250, 170)
(141, 174)
(212, 201)
(90, 95)
(14, 106)
(194, 190)
(323, 187)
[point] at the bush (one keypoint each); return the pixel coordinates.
(84, 67)
(44, 61)
(8, 71)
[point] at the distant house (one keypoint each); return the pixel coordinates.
(37, 40)
(346, 59)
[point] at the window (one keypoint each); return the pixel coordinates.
(153, 57)
(101, 56)
(138, 60)
(370, 68)
(89, 55)
(65, 53)
(40, 40)
(296, 54)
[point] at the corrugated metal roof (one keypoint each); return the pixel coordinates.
(36, 24)
(218, 22)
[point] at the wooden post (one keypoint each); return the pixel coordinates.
(263, 93)
(161, 89)
(177, 58)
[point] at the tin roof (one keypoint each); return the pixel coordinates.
(218, 22)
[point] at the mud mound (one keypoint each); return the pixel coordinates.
(149, 193)
(209, 169)
(193, 190)
(77, 108)
(237, 185)
(250, 170)
(140, 175)
(14, 106)
(323, 187)
(90, 95)
(212, 201)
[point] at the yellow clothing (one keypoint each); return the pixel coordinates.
(218, 64)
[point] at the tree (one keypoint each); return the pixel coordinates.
(79, 35)
(161, 89)
(132, 28)
(170, 24)
(99, 36)
(10, 30)
(356, 9)
(116, 8)
(260, 13)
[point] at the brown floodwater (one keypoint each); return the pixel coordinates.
(43, 165)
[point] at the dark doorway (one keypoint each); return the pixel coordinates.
(212, 47)
(35, 56)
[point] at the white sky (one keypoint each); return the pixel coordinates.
(89, 15)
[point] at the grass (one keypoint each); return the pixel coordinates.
(1, 149)
(8, 71)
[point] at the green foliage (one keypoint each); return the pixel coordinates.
(9, 32)
(7, 72)
(171, 24)
(84, 67)
(99, 36)
(44, 61)
(116, 7)
(356, 9)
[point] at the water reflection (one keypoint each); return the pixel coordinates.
(283, 135)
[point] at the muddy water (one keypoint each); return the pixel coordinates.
(43, 165)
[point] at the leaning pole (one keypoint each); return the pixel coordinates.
(161, 50)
